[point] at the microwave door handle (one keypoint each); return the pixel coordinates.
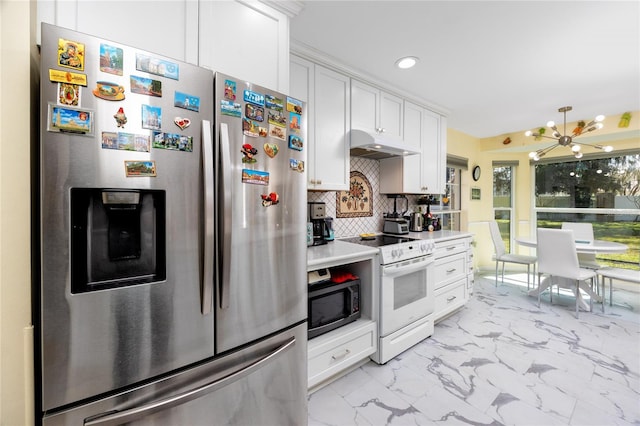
(350, 302)
(136, 413)
(208, 253)
(224, 210)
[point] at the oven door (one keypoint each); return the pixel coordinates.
(407, 293)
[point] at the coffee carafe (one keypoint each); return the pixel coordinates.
(317, 217)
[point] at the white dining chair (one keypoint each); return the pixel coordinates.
(620, 274)
(501, 254)
(557, 258)
(583, 231)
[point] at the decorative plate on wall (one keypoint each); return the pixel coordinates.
(357, 202)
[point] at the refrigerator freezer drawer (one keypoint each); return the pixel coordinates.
(261, 384)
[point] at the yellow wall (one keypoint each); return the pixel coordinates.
(16, 333)
(483, 152)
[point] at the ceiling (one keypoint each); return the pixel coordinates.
(495, 67)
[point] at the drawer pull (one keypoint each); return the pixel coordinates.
(451, 248)
(451, 270)
(340, 356)
(451, 299)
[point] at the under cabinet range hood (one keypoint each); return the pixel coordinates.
(377, 146)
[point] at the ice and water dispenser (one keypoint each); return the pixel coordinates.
(118, 237)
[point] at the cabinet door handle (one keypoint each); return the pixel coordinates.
(451, 270)
(340, 356)
(451, 299)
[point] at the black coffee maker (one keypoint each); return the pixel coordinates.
(317, 216)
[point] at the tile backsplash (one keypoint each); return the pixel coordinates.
(348, 227)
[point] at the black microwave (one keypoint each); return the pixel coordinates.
(333, 305)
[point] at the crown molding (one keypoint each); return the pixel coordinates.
(291, 8)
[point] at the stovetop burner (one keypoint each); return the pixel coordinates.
(379, 240)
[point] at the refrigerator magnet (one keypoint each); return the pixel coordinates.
(254, 112)
(277, 118)
(70, 54)
(182, 123)
(230, 90)
(111, 59)
(133, 142)
(172, 142)
(109, 140)
(121, 118)
(270, 199)
(271, 149)
(70, 120)
(274, 103)
(296, 165)
(231, 109)
(277, 132)
(248, 153)
(263, 131)
(255, 177)
(151, 117)
(68, 94)
(145, 86)
(108, 91)
(58, 76)
(140, 168)
(157, 66)
(294, 105)
(183, 100)
(249, 128)
(294, 121)
(254, 97)
(295, 142)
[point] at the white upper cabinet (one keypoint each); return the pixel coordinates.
(328, 103)
(374, 110)
(424, 173)
(168, 28)
(248, 40)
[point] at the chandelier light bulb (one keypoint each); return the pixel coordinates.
(567, 140)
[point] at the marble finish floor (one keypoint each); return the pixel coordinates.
(501, 360)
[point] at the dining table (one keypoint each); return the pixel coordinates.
(582, 246)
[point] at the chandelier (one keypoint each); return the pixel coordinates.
(566, 140)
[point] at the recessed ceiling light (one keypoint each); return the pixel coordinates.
(406, 62)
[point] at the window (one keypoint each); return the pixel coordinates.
(503, 201)
(604, 191)
(449, 206)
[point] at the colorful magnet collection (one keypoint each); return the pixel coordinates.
(112, 85)
(264, 116)
(270, 117)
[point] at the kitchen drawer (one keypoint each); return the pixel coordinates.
(450, 269)
(448, 248)
(340, 349)
(450, 298)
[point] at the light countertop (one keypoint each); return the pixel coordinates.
(340, 252)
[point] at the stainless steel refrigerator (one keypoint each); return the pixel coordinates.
(171, 270)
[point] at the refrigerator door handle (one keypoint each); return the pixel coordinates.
(136, 413)
(208, 261)
(225, 215)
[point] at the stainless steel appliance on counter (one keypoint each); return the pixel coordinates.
(172, 263)
(317, 218)
(407, 296)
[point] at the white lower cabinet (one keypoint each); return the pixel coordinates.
(451, 276)
(333, 353)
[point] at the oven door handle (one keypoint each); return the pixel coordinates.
(407, 267)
